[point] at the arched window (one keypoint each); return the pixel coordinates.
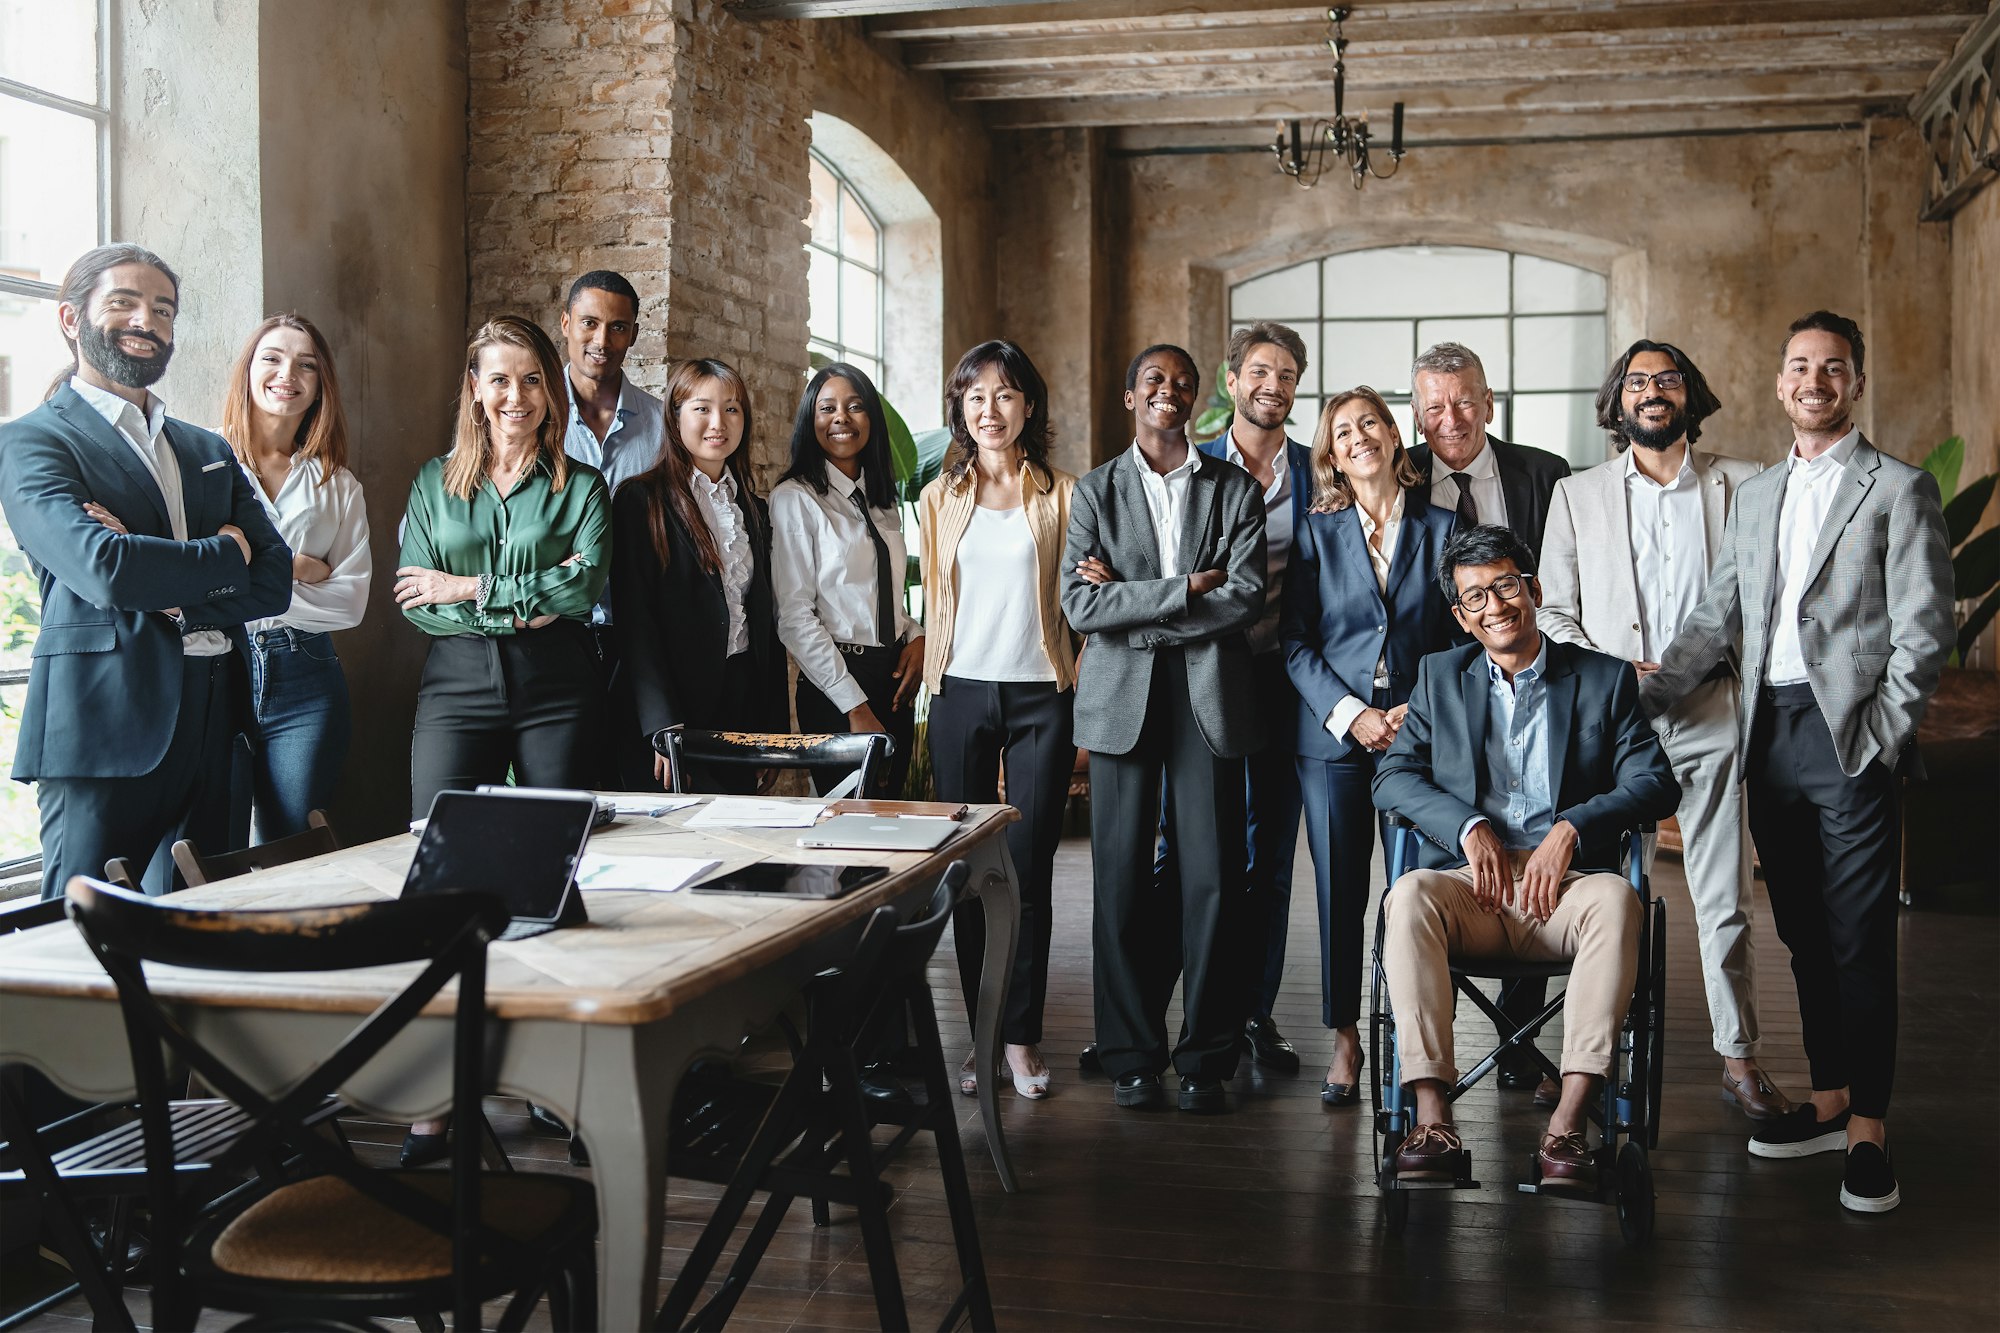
(1538, 325)
(845, 320)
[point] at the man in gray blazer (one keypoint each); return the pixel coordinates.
(1163, 570)
(1652, 523)
(1834, 585)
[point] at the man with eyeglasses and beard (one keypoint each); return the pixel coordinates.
(1652, 522)
(152, 551)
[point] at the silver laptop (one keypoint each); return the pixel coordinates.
(880, 833)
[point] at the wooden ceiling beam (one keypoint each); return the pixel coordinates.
(1505, 127)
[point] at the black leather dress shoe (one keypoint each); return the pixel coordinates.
(1268, 1046)
(544, 1121)
(1517, 1074)
(1139, 1092)
(1203, 1096)
(1087, 1061)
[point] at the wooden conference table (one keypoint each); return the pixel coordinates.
(598, 1022)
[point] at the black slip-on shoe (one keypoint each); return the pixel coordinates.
(1800, 1134)
(1869, 1186)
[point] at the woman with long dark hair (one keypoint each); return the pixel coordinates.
(691, 578)
(999, 659)
(1361, 607)
(837, 560)
(282, 417)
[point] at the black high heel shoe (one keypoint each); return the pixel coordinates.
(1344, 1094)
(423, 1149)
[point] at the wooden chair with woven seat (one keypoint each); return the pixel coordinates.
(862, 752)
(316, 839)
(334, 1239)
(812, 1136)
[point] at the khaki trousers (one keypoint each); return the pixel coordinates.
(1431, 917)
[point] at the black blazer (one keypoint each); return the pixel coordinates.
(1528, 477)
(1607, 772)
(671, 625)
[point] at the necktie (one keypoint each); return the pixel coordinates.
(1468, 512)
(885, 585)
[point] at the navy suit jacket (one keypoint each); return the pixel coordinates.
(104, 690)
(1298, 459)
(1607, 772)
(1337, 623)
(1528, 477)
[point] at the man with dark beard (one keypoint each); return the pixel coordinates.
(1652, 523)
(152, 550)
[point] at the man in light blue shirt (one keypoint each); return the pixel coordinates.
(614, 425)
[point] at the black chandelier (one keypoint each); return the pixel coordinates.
(1345, 136)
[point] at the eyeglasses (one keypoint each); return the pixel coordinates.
(1507, 587)
(1666, 379)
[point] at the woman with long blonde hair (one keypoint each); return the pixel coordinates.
(282, 417)
(696, 621)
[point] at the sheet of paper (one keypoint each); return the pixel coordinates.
(756, 812)
(649, 874)
(657, 806)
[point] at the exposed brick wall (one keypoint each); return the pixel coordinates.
(661, 138)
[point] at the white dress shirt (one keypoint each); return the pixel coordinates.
(1669, 549)
(823, 577)
(328, 522)
(146, 432)
(1484, 474)
(1379, 558)
(997, 629)
(1809, 491)
(1263, 635)
(631, 446)
(1166, 501)
(732, 541)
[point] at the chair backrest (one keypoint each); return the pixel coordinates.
(864, 751)
(447, 932)
(26, 913)
(315, 840)
(119, 871)
(854, 1000)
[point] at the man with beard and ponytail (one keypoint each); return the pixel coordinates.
(1625, 556)
(152, 550)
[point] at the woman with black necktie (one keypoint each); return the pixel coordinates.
(837, 560)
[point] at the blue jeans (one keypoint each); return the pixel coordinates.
(288, 763)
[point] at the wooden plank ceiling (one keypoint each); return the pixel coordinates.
(1211, 71)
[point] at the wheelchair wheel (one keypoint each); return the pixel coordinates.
(1395, 1202)
(1635, 1195)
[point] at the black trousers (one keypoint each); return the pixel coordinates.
(975, 726)
(532, 701)
(1831, 848)
(1146, 931)
(87, 821)
(871, 670)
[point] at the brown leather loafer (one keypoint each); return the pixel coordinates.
(1567, 1163)
(1431, 1152)
(1754, 1093)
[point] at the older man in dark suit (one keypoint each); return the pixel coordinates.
(1164, 571)
(152, 550)
(1521, 761)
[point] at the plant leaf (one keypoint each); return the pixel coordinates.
(931, 447)
(1981, 616)
(1213, 422)
(902, 449)
(1976, 568)
(1961, 514)
(1944, 462)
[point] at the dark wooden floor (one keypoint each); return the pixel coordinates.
(1268, 1217)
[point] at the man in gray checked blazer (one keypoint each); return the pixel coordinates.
(1835, 580)
(1164, 571)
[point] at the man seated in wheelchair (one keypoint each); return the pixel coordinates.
(1521, 762)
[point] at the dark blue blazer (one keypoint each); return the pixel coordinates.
(1337, 623)
(1607, 770)
(104, 690)
(1298, 458)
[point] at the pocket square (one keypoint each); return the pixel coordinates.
(210, 467)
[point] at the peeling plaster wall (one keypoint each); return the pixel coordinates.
(363, 189)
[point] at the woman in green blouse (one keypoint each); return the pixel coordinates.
(506, 547)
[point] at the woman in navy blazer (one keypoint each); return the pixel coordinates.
(1361, 606)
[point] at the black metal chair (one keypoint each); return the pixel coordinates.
(329, 1239)
(864, 752)
(794, 1140)
(316, 839)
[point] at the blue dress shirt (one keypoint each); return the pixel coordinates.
(1514, 784)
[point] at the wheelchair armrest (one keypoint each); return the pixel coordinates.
(1395, 820)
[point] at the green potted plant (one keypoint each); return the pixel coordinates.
(1975, 561)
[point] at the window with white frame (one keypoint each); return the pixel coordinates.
(1538, 325)
(54, 204)
(845, 254)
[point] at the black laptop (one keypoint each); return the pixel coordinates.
(522, 847)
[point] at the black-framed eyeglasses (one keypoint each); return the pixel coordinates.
(1507, 587)
(1665, 379)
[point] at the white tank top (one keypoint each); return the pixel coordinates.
(997, 631)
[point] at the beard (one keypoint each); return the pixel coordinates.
(110, 360)
(1658, 439)
(1265, 416)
